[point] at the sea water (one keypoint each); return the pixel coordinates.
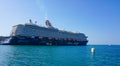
(19, 55)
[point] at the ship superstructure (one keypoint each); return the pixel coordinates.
(31, 33)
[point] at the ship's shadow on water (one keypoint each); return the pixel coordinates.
(25, 55)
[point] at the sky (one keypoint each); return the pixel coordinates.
(97, 19)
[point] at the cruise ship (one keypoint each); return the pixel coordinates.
(33, 34)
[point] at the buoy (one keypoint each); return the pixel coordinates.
(92, 50)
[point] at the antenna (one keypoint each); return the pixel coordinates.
(30, 20)
(35, 22)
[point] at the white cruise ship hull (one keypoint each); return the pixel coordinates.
(20, 40)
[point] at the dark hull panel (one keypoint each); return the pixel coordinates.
(20, 40)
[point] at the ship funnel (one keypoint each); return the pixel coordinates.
(48, 24)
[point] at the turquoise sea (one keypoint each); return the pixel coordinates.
(17, 55)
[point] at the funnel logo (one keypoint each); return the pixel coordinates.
(48, 24)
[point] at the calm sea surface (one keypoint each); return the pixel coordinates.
(16, 55)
